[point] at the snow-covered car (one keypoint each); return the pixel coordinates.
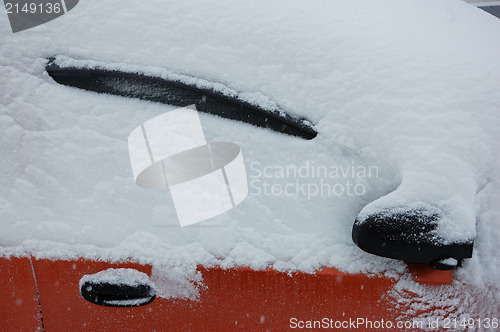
(362, 125)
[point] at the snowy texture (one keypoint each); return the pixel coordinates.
(252, 98)
(178, 282)
(457, 301)
(122, 277)
(410, 87)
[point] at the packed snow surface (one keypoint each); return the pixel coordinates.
(123, 277)
(404, 96)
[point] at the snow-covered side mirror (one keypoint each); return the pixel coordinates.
(118, 288)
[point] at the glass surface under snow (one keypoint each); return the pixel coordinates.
(409, 87)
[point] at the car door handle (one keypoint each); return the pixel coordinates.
(118, 288)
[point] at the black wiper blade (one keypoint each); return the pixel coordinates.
(178, 93)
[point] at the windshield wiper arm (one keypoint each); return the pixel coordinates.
(178, 93)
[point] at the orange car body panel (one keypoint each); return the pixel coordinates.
(230, 299)
(19, 309)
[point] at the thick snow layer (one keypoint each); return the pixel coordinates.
(406, 89)
(122, 277)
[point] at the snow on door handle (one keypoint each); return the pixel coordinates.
(118, 288)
